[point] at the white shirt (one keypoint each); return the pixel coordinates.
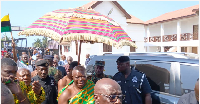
(40, 51)
(61, 63)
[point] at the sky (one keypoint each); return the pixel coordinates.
(24, 13)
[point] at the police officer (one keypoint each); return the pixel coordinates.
(52, 71)
(99, 68)
(133, 83)
(48, 83)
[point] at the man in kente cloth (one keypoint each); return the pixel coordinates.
(24, 75)
(68, 78)
(79, 90)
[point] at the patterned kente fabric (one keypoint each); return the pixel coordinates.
(94, 78)
(85, 96)
(32, 97)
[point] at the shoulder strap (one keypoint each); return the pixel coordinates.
(61, 91)
(141, 81)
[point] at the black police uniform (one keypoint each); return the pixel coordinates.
(134, 87)
(49, 87)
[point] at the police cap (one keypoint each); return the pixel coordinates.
(43, 63)
(48, 57)
(122, 59)
(100, 63)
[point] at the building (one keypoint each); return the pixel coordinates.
(161, 33)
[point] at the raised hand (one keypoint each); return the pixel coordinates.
(13, 45)
(36, 87)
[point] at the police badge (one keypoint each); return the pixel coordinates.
(134, 79)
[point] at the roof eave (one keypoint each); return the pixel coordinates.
(172, 19)
(128, 16)
(135, 23)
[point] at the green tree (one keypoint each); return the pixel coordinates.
(37, 43)
(44, 42)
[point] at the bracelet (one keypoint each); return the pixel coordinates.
(23, 100)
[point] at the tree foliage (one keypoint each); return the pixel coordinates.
(37, 43)
(44, 42)
(41, 43)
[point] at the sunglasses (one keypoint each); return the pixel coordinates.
(113, 98)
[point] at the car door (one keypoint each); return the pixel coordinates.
(158, 75)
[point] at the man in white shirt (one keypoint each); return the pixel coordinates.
(24, 63)
(63, 61)
(35, 52)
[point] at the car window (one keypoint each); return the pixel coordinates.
(169, 77)
(158, 73)
(189, 76)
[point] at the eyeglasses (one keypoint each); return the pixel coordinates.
(113, 98)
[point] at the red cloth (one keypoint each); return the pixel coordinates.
(2, 53)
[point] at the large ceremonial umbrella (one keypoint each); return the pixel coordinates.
(84, 25)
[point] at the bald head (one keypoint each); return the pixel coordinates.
(24, 74)
(87, 55)
(78, 68)
(196, 89)
(57, 57)
(63, 57)
(69, 60)
(107, 86)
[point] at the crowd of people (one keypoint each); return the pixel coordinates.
(47, 79)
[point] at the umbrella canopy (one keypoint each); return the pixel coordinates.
(79, 24)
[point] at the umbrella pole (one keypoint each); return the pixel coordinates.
(79, 53)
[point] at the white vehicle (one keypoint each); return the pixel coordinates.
(170, 74)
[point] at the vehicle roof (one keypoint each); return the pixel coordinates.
(153, 56)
